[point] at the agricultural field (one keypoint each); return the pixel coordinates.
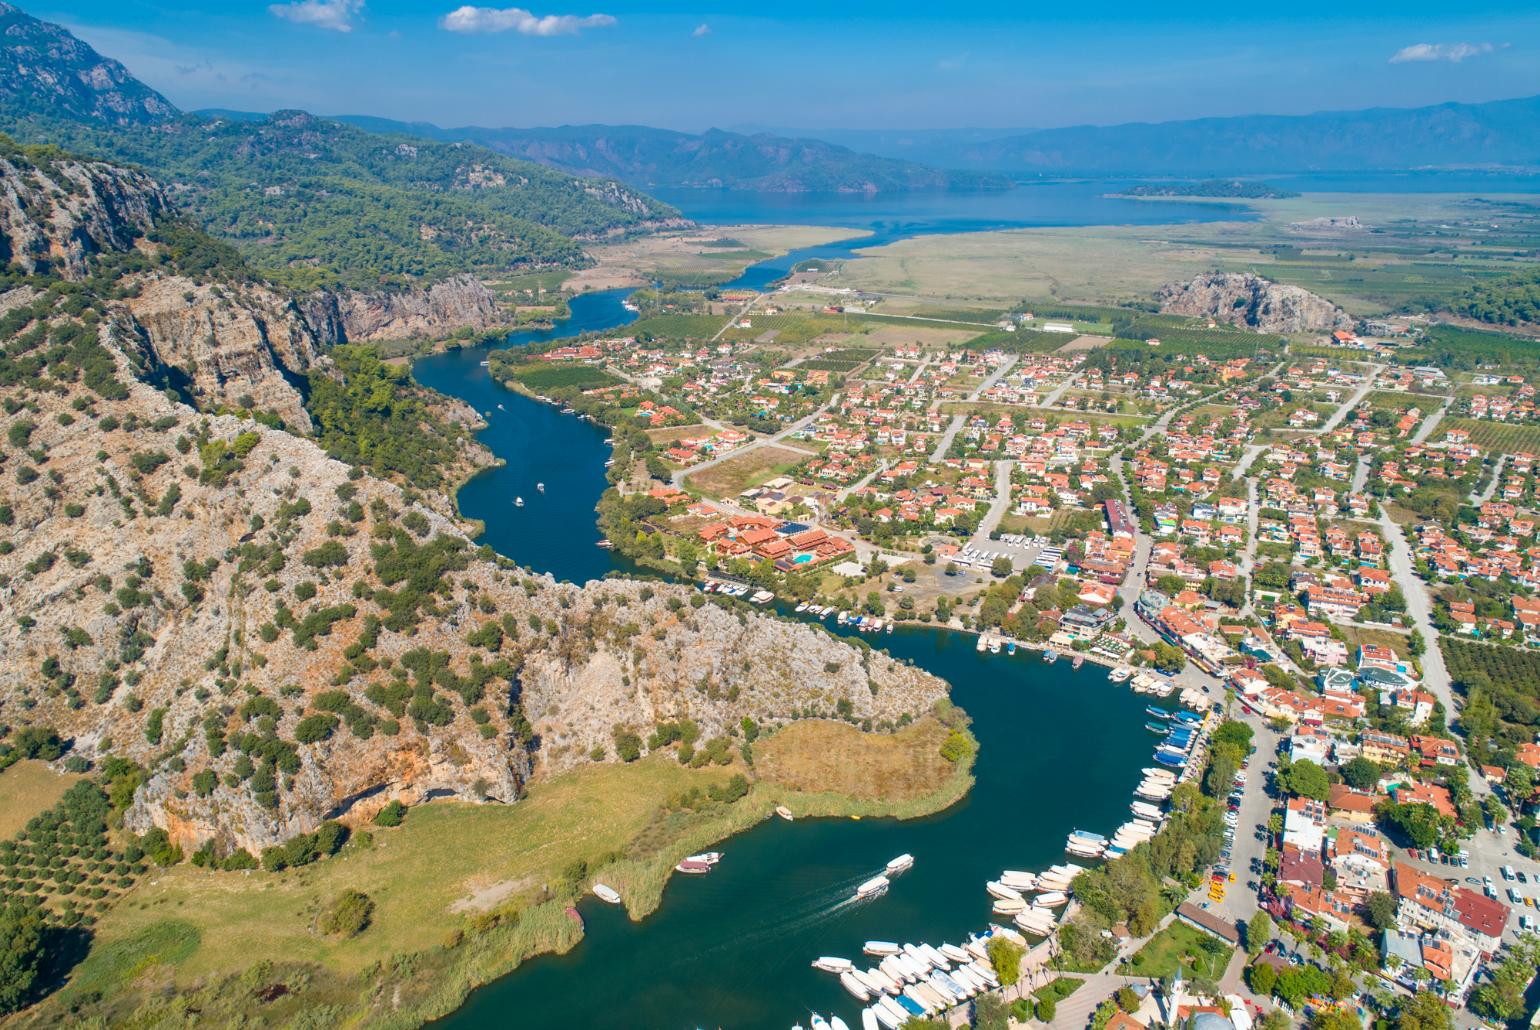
(29, 788)
(1507, 676)
(1498, 437)
(698, 257)
(826, 755)
(542, 376)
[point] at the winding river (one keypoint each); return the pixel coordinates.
(1060, 748)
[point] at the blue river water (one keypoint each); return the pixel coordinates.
(1059, 748)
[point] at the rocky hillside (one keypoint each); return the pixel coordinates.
(44, 68)
(1248, 300)
(275, 636)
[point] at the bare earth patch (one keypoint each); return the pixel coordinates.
(1084, 343)
(486, 894)
(815, 755)
(734, 475)
(26, 789)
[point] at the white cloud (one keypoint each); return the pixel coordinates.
(492, 19)
(701, 30)
(323, 14)
(1452, 52)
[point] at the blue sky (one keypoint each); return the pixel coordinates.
(863, 64)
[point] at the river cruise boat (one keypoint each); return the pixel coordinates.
(871, 1021)
(1120, 674)
(880, 948)
(1010, 647)
(955, 953)
(857, 990)
(997, 889)
(692, 867)
(1084, 849)
(783, 812)
(873, 887)
(1052, 899)
(1008, 906)
(833, 964)
(903, 863)
(1050, 656)
(1167, 758)
(606, 894)
(708, 857)
(1018, 881)
(1155, 727)
(1157, 712)
(762, 597)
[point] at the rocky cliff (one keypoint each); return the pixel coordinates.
(1249, 300)
(356, 316)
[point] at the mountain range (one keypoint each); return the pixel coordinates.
(716, 159)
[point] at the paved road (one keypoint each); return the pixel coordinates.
(795, 427)
(1240, 903)
(1248, 458)
(945, 443)
(1430, 423)
(999, 507)
(1360, 475)
(1352, 402)
(1485, 494)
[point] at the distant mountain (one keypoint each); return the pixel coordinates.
(1499, 133)
(308, 200)
(652, 158)
(46, 71)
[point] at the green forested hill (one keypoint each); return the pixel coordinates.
(310, 201)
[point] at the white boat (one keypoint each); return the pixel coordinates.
(937, 959)
(1019, 881)
(903, 863)
(913, 968)
(1053, 899)
(1120, 674)
(693, 867)
(1146, 809)
(885, 1015)
(833, 964)
(708, 857)
(606, 893)
(484, 364)
(1008, 906)
(925, 999)
(518, 502)
(801, 606)
(1000, 890)
(935, 998)
(994, 646)
(540, 487)
(955, 953)
(982, 645)
(984, 972)
(1036, 921)
(880, 948)
(873, 887)
(817, 1022)
(894, 969)
(783, 812)
(870, 1019)
(1084, 849)
(836, 1023)
(854, 987)
(917, 959)
(875, 980)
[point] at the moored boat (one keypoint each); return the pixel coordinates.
(870, 1019)
(1051, 899)
(880, 948)
(854, 987)
(1120, 674)
(1159, 713)
(1018, 881)
(692, 867)
(833, 964)
(1050, 656)
(1008, 906)
(1000, 890)
(783, 812)
(606, 893)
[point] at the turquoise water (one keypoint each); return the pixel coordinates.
(1060, 750)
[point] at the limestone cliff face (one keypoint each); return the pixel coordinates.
(1249, 300)
(353, 316)
(55, 214)
(232, 346)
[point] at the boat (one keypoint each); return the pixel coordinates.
(836, 1023)
(1001, 891)
(1087, 835)
(914, 1003)
(708, 857)
(518, 502)
(1050, 656)
(801, 607)
(934, 956)
(604, 544)
(903, 863)
(1172, 760)
(783, 812)
(484, 364)
(610, 463)
(1018, 881)
(889, 627)
(1008, 906)
(762, 597)
(817, 1022)
(1155, 727)
(1052, 899)
(994, 646)
(1078, 662)
(1159, 713)
(689, 866)
(833, 964)
(880, 948)
(870, 1019)
(982, 645)
(1010, 647)
(873, 887)
(540, 487)
(1120, 674)
(1085, 849)
(955, 953)
(894, 969)
(856, 988)
(1036, 921)
(875, 980)
(606, 894)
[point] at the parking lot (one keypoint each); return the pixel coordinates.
(1024, 552)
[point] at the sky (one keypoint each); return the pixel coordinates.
(860, 64)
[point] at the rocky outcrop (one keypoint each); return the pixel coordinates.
(228, 346)
(1248, 300)
(355, 316)
(56, 213)
(203, 591)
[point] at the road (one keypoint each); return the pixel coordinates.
(1352, 402)
(1248, 458)
(1431, 422)
(999, 507)
(1360, 475)
(945, 443)
(795, 427)
(1484, 495)
(1240, 903)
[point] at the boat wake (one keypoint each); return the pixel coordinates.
(827, 902)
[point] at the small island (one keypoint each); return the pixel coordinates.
(1219, 189)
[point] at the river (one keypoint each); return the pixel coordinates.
(1059, 749)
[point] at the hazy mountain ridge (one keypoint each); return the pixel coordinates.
(715, 159)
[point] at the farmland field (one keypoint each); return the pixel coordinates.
(1498, 437)
(546, 375)
(737, 473)
(1507, 676)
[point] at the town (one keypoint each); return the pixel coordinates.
(1323, 537)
